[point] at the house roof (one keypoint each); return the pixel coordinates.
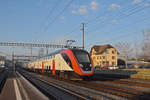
(100, 48)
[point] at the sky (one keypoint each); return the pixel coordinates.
(55, 21)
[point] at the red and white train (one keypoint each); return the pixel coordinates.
(65, 63)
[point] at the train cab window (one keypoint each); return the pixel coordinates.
(66, 58)
(82, 56)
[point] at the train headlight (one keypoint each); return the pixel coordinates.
(90, 65)
(81, 65)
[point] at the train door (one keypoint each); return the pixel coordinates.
(53, 67)
(42, 67)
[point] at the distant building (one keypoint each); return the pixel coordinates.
(2, 56)
(2, 59)
(104, 55)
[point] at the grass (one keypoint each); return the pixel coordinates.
(141, 71)
(141, 74)
(134, 73)
(117, 71)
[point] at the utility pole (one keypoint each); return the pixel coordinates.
(82, 34)
(31, 51)
(46, 50)
(13, 62)
(136, 53)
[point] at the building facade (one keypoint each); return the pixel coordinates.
(2, 59)
(104, 55)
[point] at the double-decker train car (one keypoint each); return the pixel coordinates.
(67, 63)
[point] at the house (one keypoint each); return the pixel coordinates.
(104, 55)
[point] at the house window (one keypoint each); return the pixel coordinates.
(103, 57)
(113, 63)
(97, 63)
(107, 62)
(103, 62)
(113, 52)
(113, 57)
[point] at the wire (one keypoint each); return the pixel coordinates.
(120, 36)
(99, 16)
(69, 3)
(49, 15)
(103, 21)
(115, 38)
(51, 11)
(125, 16)
(89, 21)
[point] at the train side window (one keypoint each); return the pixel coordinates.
(66, 58)
(49, 67)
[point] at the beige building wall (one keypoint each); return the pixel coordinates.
(107, 58)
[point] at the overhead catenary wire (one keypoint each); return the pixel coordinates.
(115, 38)
(99, 16)
(134, 23)
(145, 19)
(106, 13)
(122, 17)
(91, 21)
(50, 13)
(129, 14)
(62, 11)
(132, 9)
(122, 35)
(120, 13)
(88, 22)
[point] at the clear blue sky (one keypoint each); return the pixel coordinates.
(107, 21)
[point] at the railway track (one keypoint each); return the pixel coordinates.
(51, 90)
(130, 88)
(3, 77)
(109, 89)
(75, 91)
(116, 89)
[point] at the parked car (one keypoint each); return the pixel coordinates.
(141, 66)
(97, 67)
(131, 66)
(104, 67)
(113, 67)
(121, 67)
(148, 66)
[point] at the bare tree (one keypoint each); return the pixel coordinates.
(124, 50)
(41, 52)
(145, 54)
(136, 50)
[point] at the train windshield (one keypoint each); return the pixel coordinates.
(82, 56)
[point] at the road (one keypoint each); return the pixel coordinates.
(17, 87)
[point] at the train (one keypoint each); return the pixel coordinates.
(66, 63)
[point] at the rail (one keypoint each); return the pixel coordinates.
(74, 90)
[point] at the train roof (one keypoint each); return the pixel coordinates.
(56, 52)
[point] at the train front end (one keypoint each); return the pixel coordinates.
(81, 62)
